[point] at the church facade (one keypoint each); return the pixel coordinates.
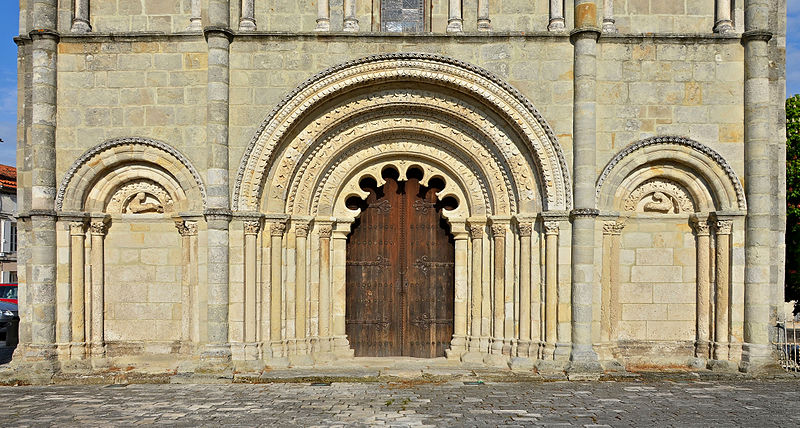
(526, 184)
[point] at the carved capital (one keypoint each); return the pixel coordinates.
(325, 232)
(476, 231)
(186, 228)
(551, 228)
(701, 226)
(277, 229)
(498, 230)
(525, 229)
(301, 229)
(251, 227)
(724, 227)
(613, 227)
(76, 228)
(98, 227)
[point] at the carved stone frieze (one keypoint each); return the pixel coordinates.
(140, 197)
(514, 108)
(659, 196)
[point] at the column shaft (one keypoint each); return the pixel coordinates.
(251, 229)
(484, 23)
(350, 20)
(722, 303)
(455, 22)
(499, 235)
(476, 231)
(98, 231)
(703, 289)
(525, 337)
(761, 201)
(339, 288)
(551, 287)
(723, 22)
(276, 285)
(324, 288)
(80, 17)
(77, 266)
(247, 22)
(217, 315)
(458, 344)
(323, 15)
(585, 171)
(609, 24)
(557, 22)
(301, 233)
(195, 20)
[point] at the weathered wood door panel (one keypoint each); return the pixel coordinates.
(400, 274)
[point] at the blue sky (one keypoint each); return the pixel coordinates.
(9, 27)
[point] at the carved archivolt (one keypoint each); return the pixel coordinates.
(659, 196)
(410, 112)
(703, 175)
(519, 139)
(103, 178)
(140, 197)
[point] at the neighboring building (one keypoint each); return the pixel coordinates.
(560, 184)
(8, 224)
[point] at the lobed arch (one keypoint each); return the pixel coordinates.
(320, 110)
(125, 166)
(702, 173)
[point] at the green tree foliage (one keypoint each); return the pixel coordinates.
(793, 198)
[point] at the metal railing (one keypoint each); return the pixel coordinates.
(788, 343)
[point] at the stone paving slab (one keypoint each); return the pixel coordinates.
(410, 403)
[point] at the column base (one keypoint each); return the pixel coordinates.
(350, 25)
(195, 24)
(584, 370)
(720, 351)
(702, 349)
(455, 26)
(247, 24)
(521, 364)
(80, 26)
(215, 358)
(609, 26)
(723, 27)
(484, 25)
(341, 347)
(557, 25)
(758, 359)
(323, 25)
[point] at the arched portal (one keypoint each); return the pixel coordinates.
(400, 269)
(455, 124)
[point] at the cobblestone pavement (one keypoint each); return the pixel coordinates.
(751, 403)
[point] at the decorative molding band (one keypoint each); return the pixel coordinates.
(681, 141)
(584, 212)
(107, 145)
(759, 35)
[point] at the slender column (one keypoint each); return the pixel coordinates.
(484, 23)
(247, 22)
(499, 236)
(584, 37)
(325, 287)
(189, 309)
(339, 287)
(41, 283)
(350, 20)
(525, 337)
(701, 347)
(301, 233)
(455, 22)
(557, 22)
(77, 266)
(610, 310)
(761, 201)
(551, 288)
(609, 24)
(459, 343)
(195, 20)
(276, 283)
(218, 214)
(323, 15)
(98, 230)
(722, 303)
(251, 228)
(723, 23)
(476, 232)
(80, 17)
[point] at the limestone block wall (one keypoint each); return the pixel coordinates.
(152, 88)
(119, 16)
(657, 280)
(690, 89)
(143, 277)
(664, 16)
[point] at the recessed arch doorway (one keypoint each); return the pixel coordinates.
(400, 269)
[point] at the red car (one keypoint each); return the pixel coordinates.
(8, 293)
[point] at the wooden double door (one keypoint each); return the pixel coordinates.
(400, 274)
